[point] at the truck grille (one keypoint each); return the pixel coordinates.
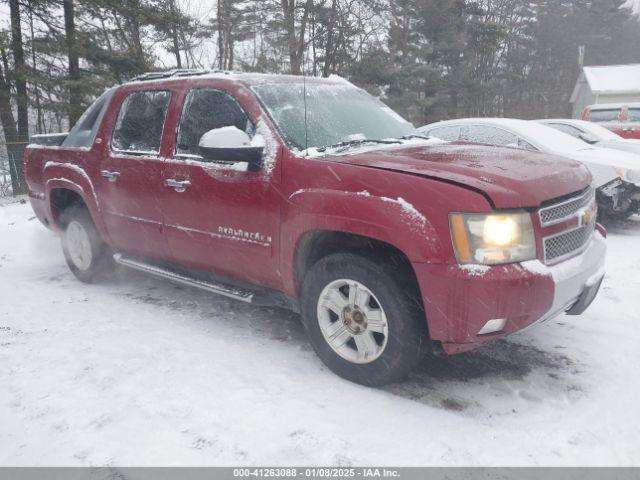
(583, 210)
(565, 244)
(563, 210)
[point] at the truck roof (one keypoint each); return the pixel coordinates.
(247, 78)
(605, 106)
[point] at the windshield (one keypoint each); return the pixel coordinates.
(552, 140)
(335, 113)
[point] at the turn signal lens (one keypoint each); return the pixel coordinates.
(460, 238)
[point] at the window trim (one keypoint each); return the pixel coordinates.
(106, 97)
(138, 153)
(190, 157)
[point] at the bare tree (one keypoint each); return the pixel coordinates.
(75, 92)
(296, 40)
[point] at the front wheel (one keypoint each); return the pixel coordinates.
(86, 254)
(364, 323)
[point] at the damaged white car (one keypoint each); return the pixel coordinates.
(616, 174)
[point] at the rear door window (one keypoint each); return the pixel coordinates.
(568, 129)
(491, 135)
(450, 134)
(84, 131)
(522, 143)
(604, 115)
(207, 109)
(634, 114)
(140, 123)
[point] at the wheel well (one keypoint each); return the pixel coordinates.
(313, 246)
(62, 199)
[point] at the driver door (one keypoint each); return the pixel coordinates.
(218, 215)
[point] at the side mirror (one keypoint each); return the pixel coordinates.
(590, 139)
(231, 145)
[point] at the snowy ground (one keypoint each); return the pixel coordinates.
(142, 372)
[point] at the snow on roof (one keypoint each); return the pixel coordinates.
(633, 5)
(248, 78)
(513, 123)
(605, 106)
(613, 78)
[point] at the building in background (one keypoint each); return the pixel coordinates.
(606, 84)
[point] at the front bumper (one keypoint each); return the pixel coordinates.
(459, 301)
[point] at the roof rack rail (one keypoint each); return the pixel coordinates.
(176, 72)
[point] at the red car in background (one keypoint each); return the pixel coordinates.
(623, 119)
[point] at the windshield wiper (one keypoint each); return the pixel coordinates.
(351, 143)
(415, 135)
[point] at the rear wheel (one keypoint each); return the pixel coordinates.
(86, 254)
(363, 322)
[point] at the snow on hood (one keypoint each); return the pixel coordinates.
(368, 147)
(512, 178)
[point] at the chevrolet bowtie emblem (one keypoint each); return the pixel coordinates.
(586, 217)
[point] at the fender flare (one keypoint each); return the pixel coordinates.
(74, 178)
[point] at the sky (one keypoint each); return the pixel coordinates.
(634, 5)
(202, 10)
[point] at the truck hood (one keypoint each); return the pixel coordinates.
(511, 178)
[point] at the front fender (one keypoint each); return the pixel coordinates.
(390, 220)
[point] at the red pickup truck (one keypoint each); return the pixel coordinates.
(620, 118)
(312, 195)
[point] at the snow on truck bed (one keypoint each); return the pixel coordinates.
(140, 372)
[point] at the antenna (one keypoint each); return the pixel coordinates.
(304, 95)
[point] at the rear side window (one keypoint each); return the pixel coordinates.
(84, 131)
(573, 131)
(634, 114)
(207, 109)
(140, 122)
(604, 115)
(490, 135)
(450, 134)
(522, 143)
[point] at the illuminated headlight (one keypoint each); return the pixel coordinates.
(493, 238)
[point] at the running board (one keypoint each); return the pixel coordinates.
(159, 271)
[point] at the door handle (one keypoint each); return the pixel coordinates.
(178, 185)
(111, 176)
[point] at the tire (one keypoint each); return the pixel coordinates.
(87, 256)
(353, 324)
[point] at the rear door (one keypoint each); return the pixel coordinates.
(631, 129)
(131, 172)
(218, 215)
